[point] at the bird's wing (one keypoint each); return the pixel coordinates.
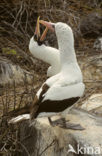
(38, 100)
(41, 94)
(58, 92)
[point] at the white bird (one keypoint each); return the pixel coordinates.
(64, 89)
(45, 53)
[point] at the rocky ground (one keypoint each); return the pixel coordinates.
(17, 23)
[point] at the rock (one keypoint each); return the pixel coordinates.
(98, 44)
(93, 102)
(91, 25)
(40, 138)
(11, 73)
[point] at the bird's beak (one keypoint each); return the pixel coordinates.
(44, 34)
(49, 25)
(37, 29)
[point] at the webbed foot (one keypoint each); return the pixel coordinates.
(65, 124)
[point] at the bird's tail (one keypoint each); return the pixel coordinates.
(19, 118)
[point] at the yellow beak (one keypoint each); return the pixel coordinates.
(44, 34)
(37, 30)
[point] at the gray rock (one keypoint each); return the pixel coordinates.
(10, 73)
(41, 139)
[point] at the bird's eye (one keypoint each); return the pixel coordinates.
(53, 26)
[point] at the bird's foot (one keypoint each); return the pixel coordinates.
(65, 124)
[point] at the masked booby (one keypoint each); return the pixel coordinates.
(62, 90)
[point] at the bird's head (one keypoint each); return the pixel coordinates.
(63, 31)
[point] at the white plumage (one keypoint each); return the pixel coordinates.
(64, 89)
(69, 82)
(58, 92)
(47, 54)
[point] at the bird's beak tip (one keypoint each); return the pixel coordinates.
(37, 29)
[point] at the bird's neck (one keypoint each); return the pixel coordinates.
(67, 52)
(45, 53)
(51, 55)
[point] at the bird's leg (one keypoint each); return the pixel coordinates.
(50, 121)
(57, 122)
